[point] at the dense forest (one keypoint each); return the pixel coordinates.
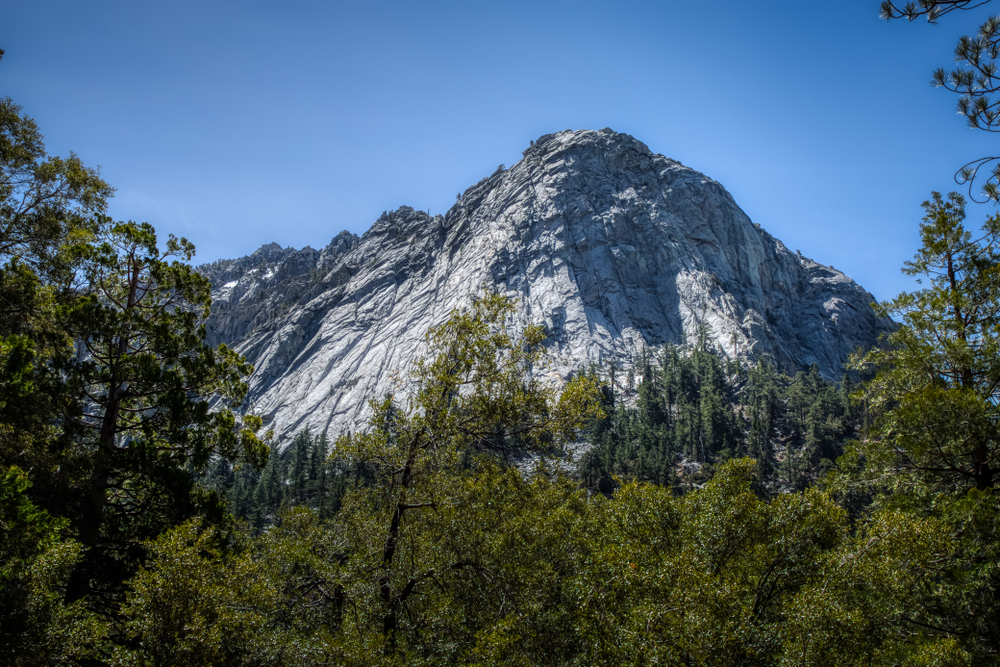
(689, 509)
(670, 421)
(696, 409)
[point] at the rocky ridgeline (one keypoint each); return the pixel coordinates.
(610, 246)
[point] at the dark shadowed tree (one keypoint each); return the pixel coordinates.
(146, 383)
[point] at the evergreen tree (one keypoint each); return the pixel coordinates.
(145, 380)
(650, 402)
(106, 381)
(36, 558)
(299, 457)
(763, 412)
(319, 474)
(49, 210)
(932, 444)
(938, 380)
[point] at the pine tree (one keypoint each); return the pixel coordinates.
(932, 444)
(319, 474)
(763, 407)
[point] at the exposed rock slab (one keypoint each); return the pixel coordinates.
(610, 246)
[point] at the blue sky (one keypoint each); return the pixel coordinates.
(240, 123)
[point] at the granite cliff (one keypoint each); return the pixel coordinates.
(610, 246)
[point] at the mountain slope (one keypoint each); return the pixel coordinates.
(609, 245)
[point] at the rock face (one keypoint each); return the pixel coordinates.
(610, 246)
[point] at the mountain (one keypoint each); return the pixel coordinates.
(609, 245)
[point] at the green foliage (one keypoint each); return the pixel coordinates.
(36, 627)
(931, 445)
(144, 381)
(47, 209)
(304, 475)
(186, 610)
(447, 555)
(421, 561)
(936, 382)
(719, 577)
(508, 570)
(416, 541)
(106, 397)
(695, 411)
(46, 202)
(475, 395)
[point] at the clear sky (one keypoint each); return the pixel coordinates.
(240, 123)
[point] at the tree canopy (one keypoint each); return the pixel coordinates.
(109, 396)
(931, 446)
(937, 382)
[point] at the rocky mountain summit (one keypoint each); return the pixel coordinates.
(610, 246)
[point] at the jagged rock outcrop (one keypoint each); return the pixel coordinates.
(610, 246)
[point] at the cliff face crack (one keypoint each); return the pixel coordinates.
(611, 246)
